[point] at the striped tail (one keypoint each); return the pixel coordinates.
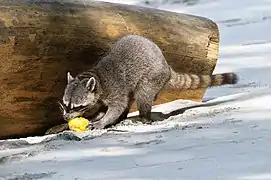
(193, 81)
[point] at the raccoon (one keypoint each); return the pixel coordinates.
(134, 70)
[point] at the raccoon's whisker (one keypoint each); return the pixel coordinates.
(84, 109)
(62, 108)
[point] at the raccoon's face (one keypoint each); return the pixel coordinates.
(78, 97)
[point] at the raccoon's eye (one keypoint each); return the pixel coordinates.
(79, 108)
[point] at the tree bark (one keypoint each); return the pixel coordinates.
(41, 41)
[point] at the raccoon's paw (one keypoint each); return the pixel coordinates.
(96, 125)
(140, 119)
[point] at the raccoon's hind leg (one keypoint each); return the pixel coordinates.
(145, 95)
(127, 110)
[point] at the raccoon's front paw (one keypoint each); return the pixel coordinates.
(97, 125)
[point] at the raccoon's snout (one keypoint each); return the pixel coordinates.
(68, 116)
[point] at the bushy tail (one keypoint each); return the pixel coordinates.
(193, 81)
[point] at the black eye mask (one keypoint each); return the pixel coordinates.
(66, 109)
(80, 108)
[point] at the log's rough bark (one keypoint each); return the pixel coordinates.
(41, 41)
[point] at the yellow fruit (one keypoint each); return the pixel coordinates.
(78, 124)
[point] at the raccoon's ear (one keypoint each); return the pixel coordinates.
(91, 84)
(69, 77)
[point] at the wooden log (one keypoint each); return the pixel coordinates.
(41, 41)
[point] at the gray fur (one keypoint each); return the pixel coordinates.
(134, 70)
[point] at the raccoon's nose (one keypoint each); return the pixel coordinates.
(66, 117)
